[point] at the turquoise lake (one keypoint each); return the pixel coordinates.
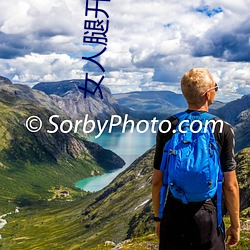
(129, 146)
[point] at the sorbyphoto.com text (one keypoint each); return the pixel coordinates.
(88, 126)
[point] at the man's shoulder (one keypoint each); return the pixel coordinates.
(172, 119)
(227, 127)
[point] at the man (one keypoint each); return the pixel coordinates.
(194, 225)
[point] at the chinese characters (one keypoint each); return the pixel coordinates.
(95, 33)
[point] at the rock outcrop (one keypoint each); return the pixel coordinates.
(70, 99)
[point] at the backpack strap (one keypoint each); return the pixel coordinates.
(219, 200)
(164, 169)
(182, 115)
(164, 188)
(163, 194)
(208, 116)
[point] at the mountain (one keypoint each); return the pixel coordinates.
(232, 110)
(242, 130)
(138, 105)
(216, 105)
(149, 104)
(70, 99)
(237, 114)
(162, 102)
(4, 80)
(32, 163)
(151, 100)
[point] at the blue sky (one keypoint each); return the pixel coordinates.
(151, 43)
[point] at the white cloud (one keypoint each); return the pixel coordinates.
(150, 43)
(34, 68)
(131, 81)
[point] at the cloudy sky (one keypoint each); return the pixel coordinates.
(151, 43)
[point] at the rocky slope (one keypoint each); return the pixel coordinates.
(237, 114)
(31, 163)
(70, 99)
(243, 175)
(242, 130)
(127, 199)
(232, 110)
(4, 80)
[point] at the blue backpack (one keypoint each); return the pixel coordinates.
(191, 162)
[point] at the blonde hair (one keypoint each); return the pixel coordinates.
(195, 83)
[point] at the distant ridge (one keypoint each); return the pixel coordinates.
(148, 104)
(4, 80)
(151, 100)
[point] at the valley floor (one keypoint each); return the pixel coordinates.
(57, 225)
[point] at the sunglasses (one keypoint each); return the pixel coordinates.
(216, 87)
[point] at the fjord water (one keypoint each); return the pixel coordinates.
(128, 146)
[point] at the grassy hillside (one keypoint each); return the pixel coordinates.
(86, 222)
(31, 164)
(243, 175)
(54, 225)
(121, 211)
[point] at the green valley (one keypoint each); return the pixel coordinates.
(32, 163)
(120, 212)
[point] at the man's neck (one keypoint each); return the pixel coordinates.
(198, 107)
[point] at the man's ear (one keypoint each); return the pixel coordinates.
(207, 95)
